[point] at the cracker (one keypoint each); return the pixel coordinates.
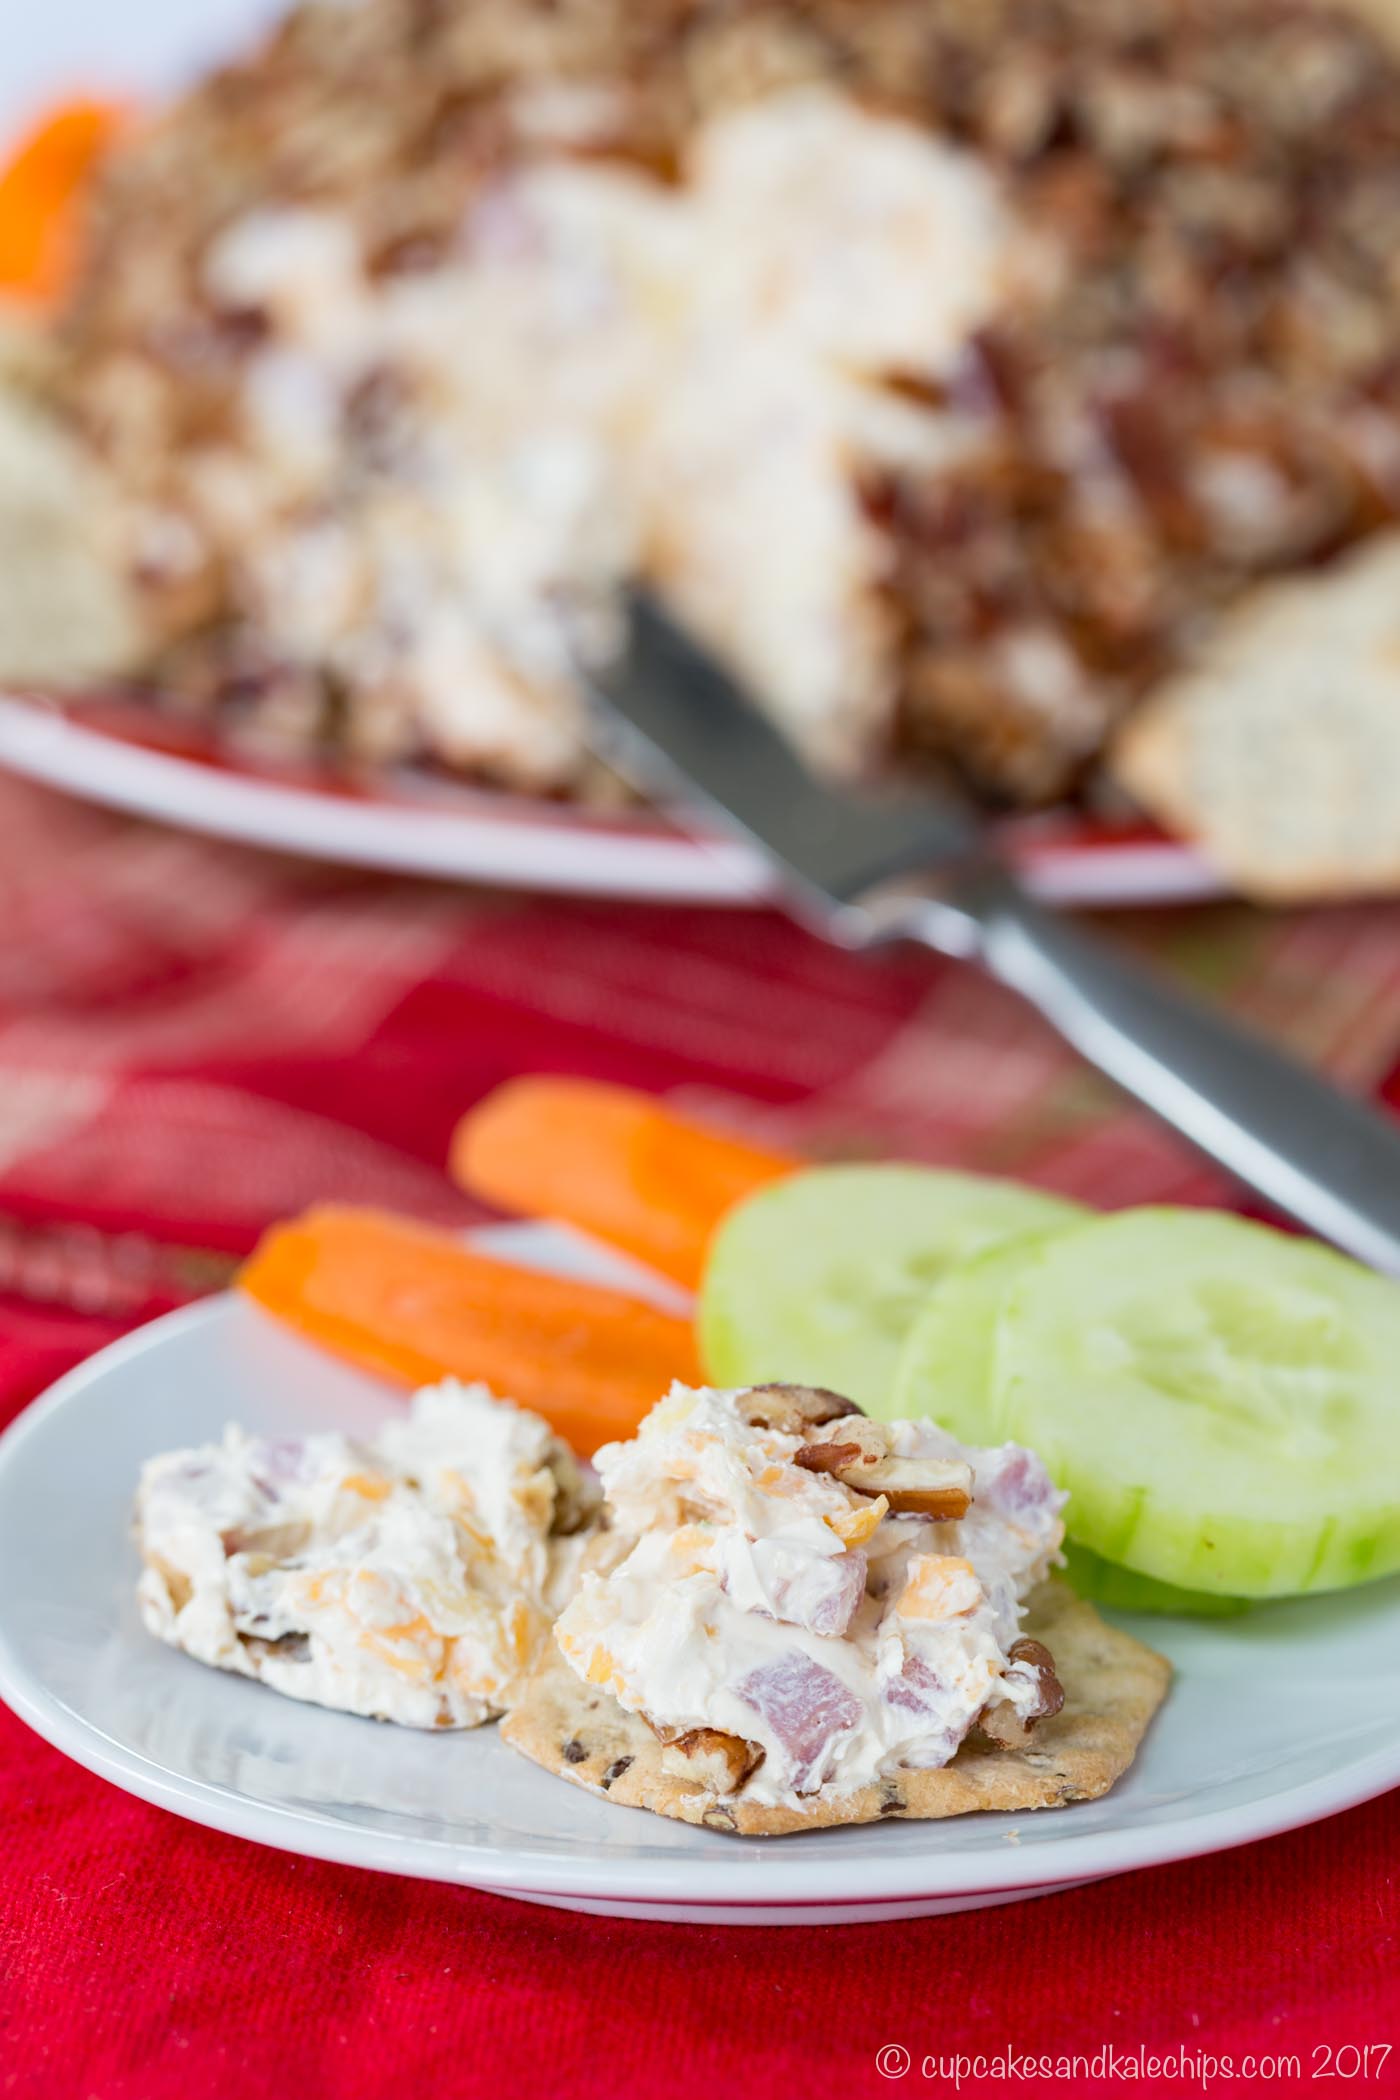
(1113, 1686)
(1278, 752)
(64, 620)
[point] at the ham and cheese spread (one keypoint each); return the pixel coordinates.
(433, 480)
(810, 1600)
(411, 1579)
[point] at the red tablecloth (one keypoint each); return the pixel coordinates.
(194, 1040)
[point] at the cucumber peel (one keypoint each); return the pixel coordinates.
(1121, 1589)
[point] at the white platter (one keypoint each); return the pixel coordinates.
(1238, 1753)
(423, 826)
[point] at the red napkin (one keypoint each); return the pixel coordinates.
(194, 1040)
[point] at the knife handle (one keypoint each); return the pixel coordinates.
(1321, 1156)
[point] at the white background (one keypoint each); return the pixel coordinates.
(50, 48)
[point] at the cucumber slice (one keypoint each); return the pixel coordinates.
(1219, 1399)
(947, 1366)
(1104, 1582)
(947, 1371)
(817, 1279)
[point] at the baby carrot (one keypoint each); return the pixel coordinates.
(414, 1304)
(613, 1162)
(41, 191)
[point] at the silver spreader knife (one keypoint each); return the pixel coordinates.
(866, 869)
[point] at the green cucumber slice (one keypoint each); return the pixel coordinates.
(947, 1366)
(1121, 1589)
(947, 1371)
(817, 1279)
(1222, 1401)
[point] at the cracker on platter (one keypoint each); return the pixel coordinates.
(1278, 752)
(1113, 1686)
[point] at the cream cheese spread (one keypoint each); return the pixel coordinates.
(441, 477)
(831, 1634)
(411, 1578)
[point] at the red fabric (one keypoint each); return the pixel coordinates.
(193, 1040)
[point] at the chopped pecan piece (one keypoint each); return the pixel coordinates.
(924, 1487)
(869, 1440)
(713, 1759)
(178, 1586)
(266, 1544)
(290, 1647)
(1006, 1724)
(795, 1409)
(827, 1458)
(1036, 1657)
(577, 1496)
(860, 1457)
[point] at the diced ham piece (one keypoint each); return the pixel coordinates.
(806, 1708)
(916, 1688)
(830, 1610)
(818, 1591)
(820, 1594)
(275, 1463)
(936, 1729)
(1017, 1486)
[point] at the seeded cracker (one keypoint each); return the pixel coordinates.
(803, 1617)
(1278, 754)
(1113, 1686)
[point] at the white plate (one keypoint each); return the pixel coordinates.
(1274, 1720)
(422, 826)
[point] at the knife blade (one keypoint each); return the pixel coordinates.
(675, 717)
(665, 712)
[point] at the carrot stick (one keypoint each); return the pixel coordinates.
(415, 1305)
(613, 1162)
(41, 193)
